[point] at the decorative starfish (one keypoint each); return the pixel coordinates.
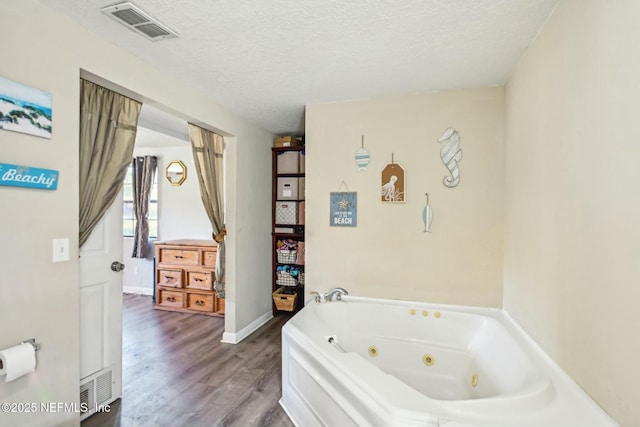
(343, 204)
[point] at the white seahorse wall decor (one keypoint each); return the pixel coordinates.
(451, 154)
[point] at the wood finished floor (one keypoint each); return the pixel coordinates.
(177, 373)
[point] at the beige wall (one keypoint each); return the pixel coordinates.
(181, 213)
(388, 254)
(572, 234)
(38, 298)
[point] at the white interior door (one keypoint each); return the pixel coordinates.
(101, 308)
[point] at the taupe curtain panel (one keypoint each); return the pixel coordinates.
(208, 149)
(144, 169)
(108, 123)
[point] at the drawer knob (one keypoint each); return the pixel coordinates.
(199, 302)
(171, 299)
(197, 279)
(178, 256)
(168, 277)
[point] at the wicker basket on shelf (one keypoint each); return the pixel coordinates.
(284, 302)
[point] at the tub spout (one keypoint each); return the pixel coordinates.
(336, 292)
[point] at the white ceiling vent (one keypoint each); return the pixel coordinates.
(133, 18)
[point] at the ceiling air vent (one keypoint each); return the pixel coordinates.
(135, 19)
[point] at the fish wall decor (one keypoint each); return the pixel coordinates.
(362, 157)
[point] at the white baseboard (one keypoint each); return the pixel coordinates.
(137, 290)
(235, 338)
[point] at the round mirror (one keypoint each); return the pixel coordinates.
(176, 172)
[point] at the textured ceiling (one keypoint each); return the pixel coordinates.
(266, 59)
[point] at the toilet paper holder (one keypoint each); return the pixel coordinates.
(33, 342)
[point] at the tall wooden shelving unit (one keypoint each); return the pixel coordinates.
(297, 234)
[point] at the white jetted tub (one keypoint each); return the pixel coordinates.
(373, 362)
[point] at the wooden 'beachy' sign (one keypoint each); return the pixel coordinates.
(28, 176)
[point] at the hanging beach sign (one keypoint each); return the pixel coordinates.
(362, 157)
(343, 208)
(393, 183)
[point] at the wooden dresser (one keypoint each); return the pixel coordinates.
(185, 274)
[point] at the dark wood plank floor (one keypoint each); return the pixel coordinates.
(177, 373)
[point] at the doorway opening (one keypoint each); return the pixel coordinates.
(101, 287)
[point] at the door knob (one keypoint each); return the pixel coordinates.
(117, 266)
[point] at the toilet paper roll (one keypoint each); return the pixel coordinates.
(17, 361)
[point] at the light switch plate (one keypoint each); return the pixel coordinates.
(60, 250)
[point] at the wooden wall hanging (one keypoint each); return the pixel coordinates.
(393, 183)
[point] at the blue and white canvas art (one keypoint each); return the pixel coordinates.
(24, 109)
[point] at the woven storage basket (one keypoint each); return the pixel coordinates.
(286, 256)
(284, 302)
(285, 279)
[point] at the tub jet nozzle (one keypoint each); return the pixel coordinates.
(333, 341)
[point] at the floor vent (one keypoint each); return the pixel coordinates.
(95, 391)
(135, 19)
(104, 389)
(86, 397)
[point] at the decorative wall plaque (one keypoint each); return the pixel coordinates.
(344, 209)
(393, 183)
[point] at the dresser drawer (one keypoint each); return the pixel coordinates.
(170, 278)
(170, 298)
(209, 258)
(179, 256)
(200, 302)
(200, 280)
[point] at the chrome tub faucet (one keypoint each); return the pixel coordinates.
(337, 293)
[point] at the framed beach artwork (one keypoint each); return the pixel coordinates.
(24, 109)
